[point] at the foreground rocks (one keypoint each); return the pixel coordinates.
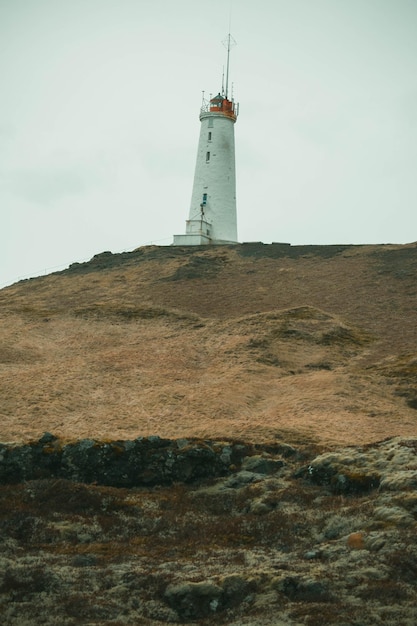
(160, 531)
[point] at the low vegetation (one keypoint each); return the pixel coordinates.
(272, 542)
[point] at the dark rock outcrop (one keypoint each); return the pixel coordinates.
(143, 461)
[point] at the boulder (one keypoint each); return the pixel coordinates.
(193, 601)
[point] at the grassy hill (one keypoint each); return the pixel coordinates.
(261, 341)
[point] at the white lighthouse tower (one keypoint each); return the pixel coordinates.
(212, 215)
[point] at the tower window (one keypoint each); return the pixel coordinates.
(209, 136)
(204, 198)
(207, 157)
(210, 122)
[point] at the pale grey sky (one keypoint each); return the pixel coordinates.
(99, 103)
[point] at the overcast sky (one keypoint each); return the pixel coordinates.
(99, 105)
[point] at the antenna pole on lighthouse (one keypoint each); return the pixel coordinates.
(227, 67)
(228, 43)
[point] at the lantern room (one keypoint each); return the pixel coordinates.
(220, 104)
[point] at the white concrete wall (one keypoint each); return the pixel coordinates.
(216, 177)
(191, 240)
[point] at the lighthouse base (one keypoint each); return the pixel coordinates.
(200, 240)
(197, 233)
(192, 239)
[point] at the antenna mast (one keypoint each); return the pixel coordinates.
(228, 43)
(228, 59)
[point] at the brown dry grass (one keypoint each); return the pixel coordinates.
(236, 345)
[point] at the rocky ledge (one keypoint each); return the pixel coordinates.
(156, 531)
(143, 461)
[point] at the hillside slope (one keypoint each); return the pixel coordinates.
(255, 341)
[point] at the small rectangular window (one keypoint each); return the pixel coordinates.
(207, 156)
(210, 122)
(209, 136)
(204, 198)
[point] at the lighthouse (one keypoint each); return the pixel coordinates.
(212, 214)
